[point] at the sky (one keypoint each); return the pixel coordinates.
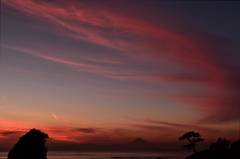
(107, 72)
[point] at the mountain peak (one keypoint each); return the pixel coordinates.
(138, 141)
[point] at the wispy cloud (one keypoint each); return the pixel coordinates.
(170, 126)
(7, 133)
(3, 97)
(87, 130)
(191, 57)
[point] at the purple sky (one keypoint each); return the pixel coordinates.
(119, 68)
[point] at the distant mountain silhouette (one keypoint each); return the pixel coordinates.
(140, 144)
(134, 145)
(138, 141)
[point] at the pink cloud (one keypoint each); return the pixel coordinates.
(78, 66)
(195, 51)
(169, 126)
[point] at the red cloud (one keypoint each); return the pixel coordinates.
(192, 54)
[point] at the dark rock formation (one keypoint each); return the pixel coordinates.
(30, 146)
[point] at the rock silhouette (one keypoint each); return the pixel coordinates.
(30, 146)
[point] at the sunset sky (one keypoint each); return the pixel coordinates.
(108, 72)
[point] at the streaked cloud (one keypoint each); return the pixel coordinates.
(125, 56)
(3, 97)
(87, 130)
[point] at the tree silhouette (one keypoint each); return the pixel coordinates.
(220, 145)
(236, 145)
(192, 137)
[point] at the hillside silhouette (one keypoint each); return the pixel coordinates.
(219, 150)
(30, 146)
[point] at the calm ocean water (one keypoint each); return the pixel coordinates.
(109, 155)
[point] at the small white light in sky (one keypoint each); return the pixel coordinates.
(55, 116)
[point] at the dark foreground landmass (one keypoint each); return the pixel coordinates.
(30, 146)
(222, 149)
(139, 157)
(208, 154)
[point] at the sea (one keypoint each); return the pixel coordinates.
(112, 155)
